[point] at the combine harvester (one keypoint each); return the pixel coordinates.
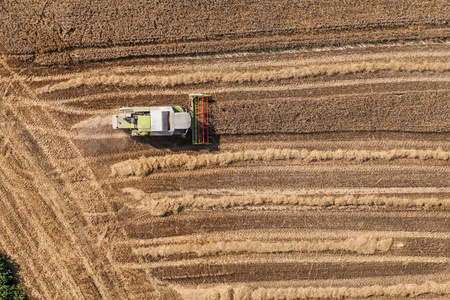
(170, 120)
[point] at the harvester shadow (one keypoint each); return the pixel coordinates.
(176, 143)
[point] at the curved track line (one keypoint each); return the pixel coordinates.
(11, 238)
(44, 238)
(75, 237)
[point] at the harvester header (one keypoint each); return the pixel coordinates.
(200, 118)
(170, 120)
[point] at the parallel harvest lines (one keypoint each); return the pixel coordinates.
(247, 76)
(228, 62)
(329, 174)
(245, 89)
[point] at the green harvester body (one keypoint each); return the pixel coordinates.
(170, 120)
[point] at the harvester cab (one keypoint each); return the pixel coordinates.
(170, 120)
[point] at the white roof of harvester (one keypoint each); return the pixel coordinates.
(159, 120)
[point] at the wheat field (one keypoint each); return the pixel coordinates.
(328, 176)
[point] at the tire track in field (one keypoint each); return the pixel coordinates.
(294, 177)
(256, 259)
(10, 243)
(29, 239)
(32, 230)
(277, 234)
(254, 267)
(29, 102)
(80, 237)
(145, 226)
(16, 240)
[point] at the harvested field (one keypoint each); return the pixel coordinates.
(328, 175)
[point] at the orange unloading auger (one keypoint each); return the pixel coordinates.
(200, 118)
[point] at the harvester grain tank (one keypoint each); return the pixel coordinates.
(170, 120)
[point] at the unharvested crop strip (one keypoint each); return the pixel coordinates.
(247, 76)
(362, 244)
(160, 204)
(225, 292)
(146, 165)
(277, 234)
